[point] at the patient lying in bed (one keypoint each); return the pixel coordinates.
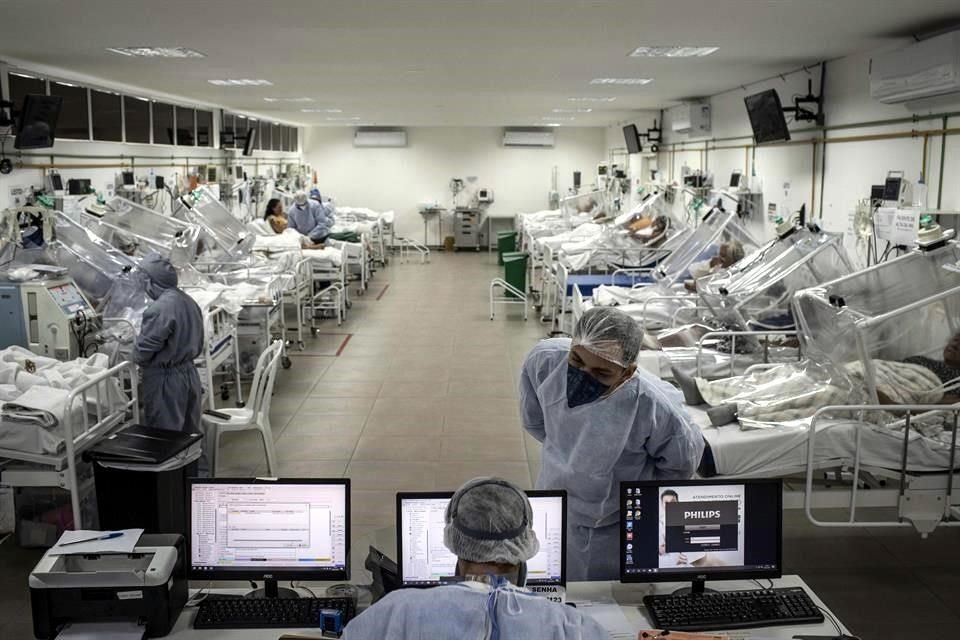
(794, 391)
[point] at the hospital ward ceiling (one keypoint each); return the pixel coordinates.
(397, 62)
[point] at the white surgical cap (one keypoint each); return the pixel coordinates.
(609, 333)
(300, 197)
(490, 520)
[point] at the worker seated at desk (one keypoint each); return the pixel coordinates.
(489, 529)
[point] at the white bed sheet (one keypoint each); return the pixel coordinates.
(779, 452)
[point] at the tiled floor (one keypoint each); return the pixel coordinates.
(422, 397)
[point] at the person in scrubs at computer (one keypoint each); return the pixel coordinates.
(602, 421)
(489, 528)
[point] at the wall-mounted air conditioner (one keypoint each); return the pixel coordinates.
(528, 138)
(691, 117)
(925, 69)
(380, 138)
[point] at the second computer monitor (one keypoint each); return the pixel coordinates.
(266, 529)
(424, 561)
(698, 530)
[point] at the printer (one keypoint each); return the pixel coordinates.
(147, 586)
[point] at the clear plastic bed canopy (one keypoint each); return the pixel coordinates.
(904, 308)
(717, 227)
(594, 205)
(757, 292)
(203, 208)
(93, 263)
(138, 230)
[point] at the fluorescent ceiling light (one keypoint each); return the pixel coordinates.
(551, 124)
(157, 52)
(352, 118)
(555, 118)
(578, 110)
(241, 82)
(321, 110)
(592, 99)
(276, 99)
(676, 51)
(624, 81)
(66, 84)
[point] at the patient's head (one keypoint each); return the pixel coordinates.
(274, 207)
(659, 225)
(731, 253)
(951, 353)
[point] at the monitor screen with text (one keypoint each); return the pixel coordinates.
(699, 527)
(425, 561)
(254, 528)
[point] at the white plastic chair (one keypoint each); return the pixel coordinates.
(254, 417)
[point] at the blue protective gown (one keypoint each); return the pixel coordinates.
(313, 220)
(461, 612)
(170, 339)
(639, 432)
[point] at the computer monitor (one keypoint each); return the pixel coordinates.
(699, 530)
(269, 529)
(424, 561)
(38, 122)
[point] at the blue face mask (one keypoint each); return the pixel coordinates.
(582, 388)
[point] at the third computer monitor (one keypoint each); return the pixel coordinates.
(692, 530)
(424, 561)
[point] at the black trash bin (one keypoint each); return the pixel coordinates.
(141, 475)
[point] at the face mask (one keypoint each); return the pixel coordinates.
(582, 388)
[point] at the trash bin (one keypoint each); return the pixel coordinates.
(141, 476)
(515, 271)
(506, 243)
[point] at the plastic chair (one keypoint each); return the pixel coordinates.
(254, 417)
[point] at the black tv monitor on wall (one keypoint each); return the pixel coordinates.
(766, 117)
(251, 142)
(632, 137)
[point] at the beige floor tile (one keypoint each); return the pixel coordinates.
(337, 406)
(409, 405)
(313, 424)
(330, 447)
(402, 448)
(481, 427)
(354, 389)
(472, 448)
(451, 475)
(401, 389)
(482, 389)
(392, 476)
(383, 424)
(312, 468)
(377, 508)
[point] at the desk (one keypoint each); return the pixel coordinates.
(627, 596)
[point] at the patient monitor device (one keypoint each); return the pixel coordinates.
(147, 586)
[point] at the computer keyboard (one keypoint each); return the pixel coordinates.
(714, 611)
(266, 613)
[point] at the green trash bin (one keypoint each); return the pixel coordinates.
(515, 271)
(506, 243)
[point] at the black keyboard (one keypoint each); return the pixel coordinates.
(715, 611)
(266, 613)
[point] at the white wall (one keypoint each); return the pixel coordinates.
(851, 167)
(399, 179)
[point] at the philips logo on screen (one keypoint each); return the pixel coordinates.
(701, 515)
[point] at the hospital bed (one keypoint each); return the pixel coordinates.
(52, 460)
